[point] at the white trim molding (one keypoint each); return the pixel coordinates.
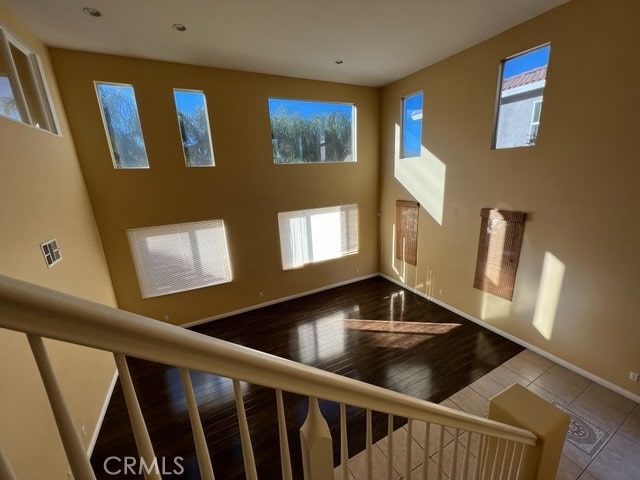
(580, 371)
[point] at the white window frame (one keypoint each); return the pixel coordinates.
(499, 97)
(297, 242)
(36, 73)
(354, 129)
(206, 113)
(106, 127)
(403, 125)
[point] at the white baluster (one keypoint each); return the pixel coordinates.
(344, 442)
(317, 448)
(285, 457)
(369, 446)
(76, 455)
(6, 472)
(467, 454)
(425, 456)
(520, 462)
(140, 432)
(494, 468)
(454, 460)
(512, 461)
(407, 464)
(245, 437)
(390, 447)
(440, 465)
(199, 439)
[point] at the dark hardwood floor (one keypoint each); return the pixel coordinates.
(356, 330)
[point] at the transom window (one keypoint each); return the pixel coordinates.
(519, 105)
(316, 235)
(122, 124)
(195, 133)
(304, 131)
(23, 92)
(412, 125)
(180, 257)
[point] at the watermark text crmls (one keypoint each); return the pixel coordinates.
(164, 466)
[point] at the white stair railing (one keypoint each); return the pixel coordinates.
(41, 312)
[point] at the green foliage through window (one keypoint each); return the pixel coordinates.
(311, 132)
(121, 120)
(193, 121)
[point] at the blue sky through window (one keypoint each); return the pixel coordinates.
(308, 109)
(527, 61)
(412, 125)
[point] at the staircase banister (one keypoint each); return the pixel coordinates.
(38, 310)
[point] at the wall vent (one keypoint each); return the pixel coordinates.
(51, 252)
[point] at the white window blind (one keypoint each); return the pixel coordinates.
(309, 236)
(180, 257)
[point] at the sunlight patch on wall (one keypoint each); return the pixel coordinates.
(494, 307)
(551, 280)
(423, 177)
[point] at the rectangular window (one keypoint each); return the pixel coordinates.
(23, 94)
(310, 236)
(407, 231)
(193, 120)
(519, 105)
(310, 132)
(180, 257)
(122, 124)
(412, 125)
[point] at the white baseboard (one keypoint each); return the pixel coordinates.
(519, 341)
(103, 413)
(274, 302)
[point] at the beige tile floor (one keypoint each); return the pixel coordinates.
(614, 419)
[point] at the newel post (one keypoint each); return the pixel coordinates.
(317, 449)
(520, 407)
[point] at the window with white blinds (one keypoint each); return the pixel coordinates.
(310, 236)
(180, 257)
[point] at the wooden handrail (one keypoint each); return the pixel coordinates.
(48, 313)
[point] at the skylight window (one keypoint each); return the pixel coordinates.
(122, 124)
(193, 121)
(23, 93)
(412, 125)
(312, 132)
(522, 82)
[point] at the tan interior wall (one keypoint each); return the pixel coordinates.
(43, 195)
(245, 188)
(579, 185)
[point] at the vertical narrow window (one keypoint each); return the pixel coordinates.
(311, 132)
(519, 104)
(195, 132)
(412, 125)
(407, 231)
(23, 94)
(315, 235)
(122, 124)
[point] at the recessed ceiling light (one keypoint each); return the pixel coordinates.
(179, 27)
(339, 62)
(92, 11)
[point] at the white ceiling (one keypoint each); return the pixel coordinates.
(379, 40)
